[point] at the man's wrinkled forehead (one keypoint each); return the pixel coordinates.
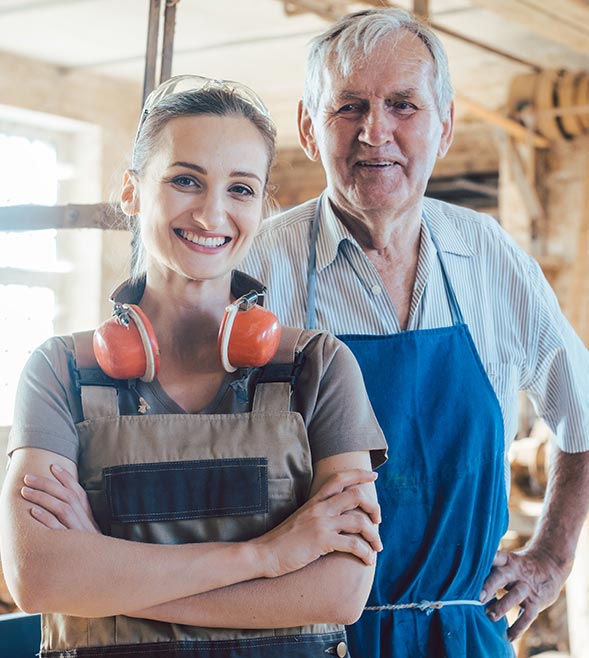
(343, 78)
(382, 54)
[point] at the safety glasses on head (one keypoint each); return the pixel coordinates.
(184, 83)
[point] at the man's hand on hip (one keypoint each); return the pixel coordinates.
(532, 579)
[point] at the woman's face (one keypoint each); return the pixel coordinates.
(200, 196)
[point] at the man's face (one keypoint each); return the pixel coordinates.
(378, 130)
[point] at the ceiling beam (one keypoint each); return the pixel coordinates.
(332, 10)
(565, 22)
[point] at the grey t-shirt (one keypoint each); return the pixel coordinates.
(329, 395)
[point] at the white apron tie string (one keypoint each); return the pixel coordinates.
(424, 606)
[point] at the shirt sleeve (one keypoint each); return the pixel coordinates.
(47, 405)
(331, 396)
(558, 378)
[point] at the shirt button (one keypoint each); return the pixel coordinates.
(376, 289)
(342, 650)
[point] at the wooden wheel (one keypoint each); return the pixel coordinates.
(582, 98)
(566, 90)
(545, 100)
(521, 95)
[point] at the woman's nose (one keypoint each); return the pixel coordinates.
(210, 213)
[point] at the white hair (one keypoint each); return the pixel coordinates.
(357, 35)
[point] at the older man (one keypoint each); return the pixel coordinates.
(448, 320)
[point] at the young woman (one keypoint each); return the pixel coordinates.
(181, 509)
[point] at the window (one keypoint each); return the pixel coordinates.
(42, 271)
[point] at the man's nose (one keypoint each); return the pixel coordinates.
(378, 127)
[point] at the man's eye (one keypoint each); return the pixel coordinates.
(403, 106)
(349, 108)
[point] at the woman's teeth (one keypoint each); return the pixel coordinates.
(201, 240)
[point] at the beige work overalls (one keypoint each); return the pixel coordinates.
(180, 478)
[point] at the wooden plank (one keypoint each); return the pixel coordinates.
(421, 8)
(153, 27)
(563, 21)
(168, 42)
(511, 127)
(33, 218)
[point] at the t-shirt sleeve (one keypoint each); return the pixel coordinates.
(331, 396)
(47, 404)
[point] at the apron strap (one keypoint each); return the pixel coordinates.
(310, 314)
(452, 301)
(276, 381)
(98, 392)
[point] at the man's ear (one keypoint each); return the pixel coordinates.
(307, 132)
(447, 132)
(129, 194)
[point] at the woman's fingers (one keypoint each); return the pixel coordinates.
(46, 518)
(63, 511)
(357, 523)
(356, 546)
(355, 497)
(63, 497)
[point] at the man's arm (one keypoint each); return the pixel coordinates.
(535, 575)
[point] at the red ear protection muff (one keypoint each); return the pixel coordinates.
(126, 347)
(249, 334)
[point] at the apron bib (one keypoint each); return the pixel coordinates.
(180, 478)
(442, 491)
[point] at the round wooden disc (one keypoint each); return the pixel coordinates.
(582, 98)
(521, 94)
(545, 100)
(566, 89)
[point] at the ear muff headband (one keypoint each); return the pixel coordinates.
(150, 370)
(231, 312)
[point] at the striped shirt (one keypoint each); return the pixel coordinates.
(523, 339)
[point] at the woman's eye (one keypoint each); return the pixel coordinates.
(184, 181)
(242, 190)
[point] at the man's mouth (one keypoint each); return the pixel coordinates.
(201, 240)
(377, 163)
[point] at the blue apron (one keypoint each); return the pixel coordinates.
(442, 491)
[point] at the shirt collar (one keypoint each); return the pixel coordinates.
(332, 232)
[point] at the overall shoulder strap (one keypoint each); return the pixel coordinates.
(276, 380)
(98, 391)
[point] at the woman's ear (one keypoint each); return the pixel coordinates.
(307, 132)
(130, 194)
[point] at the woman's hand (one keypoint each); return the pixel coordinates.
(341, 516)
(60, 503)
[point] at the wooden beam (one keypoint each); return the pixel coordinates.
(511, 127)
(34, 218)
(565, 21)
(153, 27)
(334, 10)
(168, 42)
(421, 8)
